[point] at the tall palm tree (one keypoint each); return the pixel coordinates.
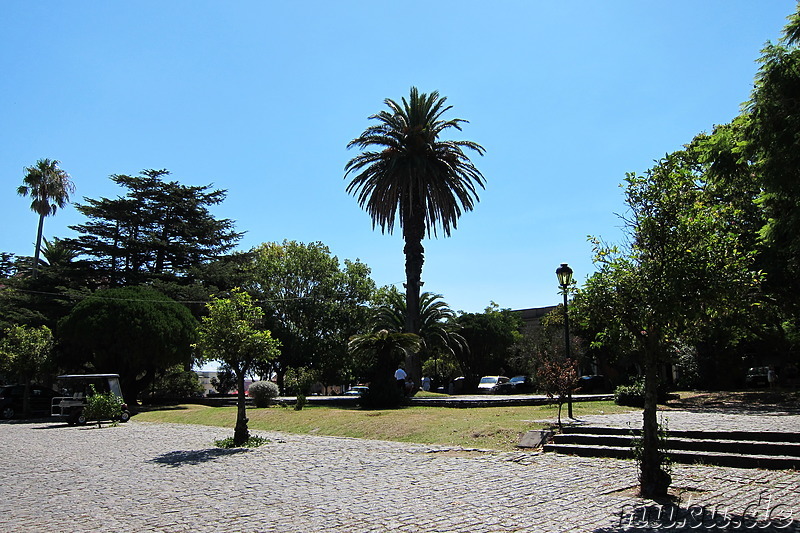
(406, 171)
(49, 187)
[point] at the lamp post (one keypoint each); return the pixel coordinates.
(564, 274)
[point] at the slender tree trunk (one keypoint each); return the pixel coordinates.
(654, 481)
(240, 432)
(415, 257)
(37, 252)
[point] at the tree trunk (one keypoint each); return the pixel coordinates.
(240, 432)
(654, 481)
(37, 252)
(415, 257)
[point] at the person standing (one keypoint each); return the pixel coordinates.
(400, 375)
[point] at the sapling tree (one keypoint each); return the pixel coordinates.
(681, 266)
(232, 333)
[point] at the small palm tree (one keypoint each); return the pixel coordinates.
(438, 330)
(58, 252)
(49, 187)
(406, 172)
(378, 354)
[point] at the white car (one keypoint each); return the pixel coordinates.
(495, 385)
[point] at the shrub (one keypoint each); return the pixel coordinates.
(263, 392)
(633, 395)
(253, 442)
(107, 406)
(630, 395)
(300, 402)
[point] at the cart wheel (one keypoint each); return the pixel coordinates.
(125, 416)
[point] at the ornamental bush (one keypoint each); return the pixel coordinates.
(630, 395)
(633, 395)
(263, 392)
(102, 406)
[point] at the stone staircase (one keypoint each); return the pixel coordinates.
(740, 449)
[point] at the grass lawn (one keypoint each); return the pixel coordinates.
(497, 428)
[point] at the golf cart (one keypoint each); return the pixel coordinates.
(75, 388)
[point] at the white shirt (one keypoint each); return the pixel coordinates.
(400, 374)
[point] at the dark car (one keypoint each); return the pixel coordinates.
(592, 384)
(522, 384)
(757, 376)
(11, 400)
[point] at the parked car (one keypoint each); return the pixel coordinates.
(75, 388)
(522, 384)
(357, 390)
(495, 385)
(592, 384)
(12, 397)
(757, 377)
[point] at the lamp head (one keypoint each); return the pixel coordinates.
(564, 273)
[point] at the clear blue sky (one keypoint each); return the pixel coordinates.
(261, 98)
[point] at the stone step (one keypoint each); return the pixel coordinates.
(771, 462)
(679, 443)
(760, 436)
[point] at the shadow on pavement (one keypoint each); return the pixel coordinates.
(194, 457)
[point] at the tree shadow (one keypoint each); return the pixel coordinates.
(55, 425)
(195, 457)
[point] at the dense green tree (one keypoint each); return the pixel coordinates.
(490, 337)
(159, 230)
(232, 333)
(49, 188)
(377, 356)
(312, 304)
(772, 144)
(682, 264)
(135, 332)
(408, 172)
(175, 382)
(25, 352)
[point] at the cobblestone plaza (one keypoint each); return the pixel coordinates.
(165, 477)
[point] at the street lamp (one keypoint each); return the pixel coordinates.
(564, 274)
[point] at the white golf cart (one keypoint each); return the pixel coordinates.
(75, 388)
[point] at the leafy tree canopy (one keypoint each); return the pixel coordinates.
(158, 230)
(490, 337)
(312, 304)
(25, 352)
(131, 331)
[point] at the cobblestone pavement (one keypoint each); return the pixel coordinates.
(158, 477)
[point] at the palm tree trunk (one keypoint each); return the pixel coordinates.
(38, 246)
(415, 257)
